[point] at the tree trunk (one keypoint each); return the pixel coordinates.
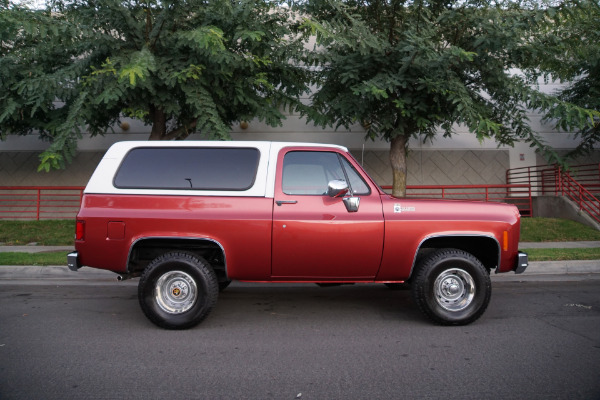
(159, 124)
(398, 154)
(159, 127)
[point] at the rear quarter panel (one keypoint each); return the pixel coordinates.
(241, 225)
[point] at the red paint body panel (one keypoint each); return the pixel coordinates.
(316, 238)
(242, 226)
(419, 220)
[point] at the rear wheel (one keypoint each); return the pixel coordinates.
(452, 287)
(178, 290)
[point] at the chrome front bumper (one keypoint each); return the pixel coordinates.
(522, 263)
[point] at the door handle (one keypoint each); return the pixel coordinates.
(280, 202)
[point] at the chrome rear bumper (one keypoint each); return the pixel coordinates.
(73, 261)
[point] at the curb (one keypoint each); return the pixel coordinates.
(563, 267)
(535, 268)
(560, 271)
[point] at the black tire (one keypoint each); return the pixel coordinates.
(452, 287)
(178, 290)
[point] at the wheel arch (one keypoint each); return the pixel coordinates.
(485, 248)
(143, 250)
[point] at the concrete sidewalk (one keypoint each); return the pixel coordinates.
(34, 249)
(557, 245)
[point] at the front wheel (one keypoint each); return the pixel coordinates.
(178, 290)
(452, 287)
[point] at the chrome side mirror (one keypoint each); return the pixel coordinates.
(337, 188)
(352, 203)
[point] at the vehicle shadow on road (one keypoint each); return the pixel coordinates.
(245, 302)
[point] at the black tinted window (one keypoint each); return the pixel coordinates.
(207, 168)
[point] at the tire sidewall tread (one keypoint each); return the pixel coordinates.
(204, 277)
(430, 268)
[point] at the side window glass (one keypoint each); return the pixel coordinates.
(188, 168)
(309, 172)
(359, 186)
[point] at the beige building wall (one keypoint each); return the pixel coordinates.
(441, 167)
(19, 168)
(425, 167)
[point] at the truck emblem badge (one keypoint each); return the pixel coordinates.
(399, 209)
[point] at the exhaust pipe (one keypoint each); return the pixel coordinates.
(123, 277)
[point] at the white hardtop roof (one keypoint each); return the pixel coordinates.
(102, 179)
(119, 149)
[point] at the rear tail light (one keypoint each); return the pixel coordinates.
(80, 230)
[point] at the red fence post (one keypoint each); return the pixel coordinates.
(559, 183)
(530, 202)
(39, 197)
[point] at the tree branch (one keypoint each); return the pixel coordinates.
(182, 132)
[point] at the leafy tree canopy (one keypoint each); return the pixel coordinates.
(576, 59)
(410, 68)
(180, 66)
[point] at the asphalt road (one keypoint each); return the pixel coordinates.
(87, 338)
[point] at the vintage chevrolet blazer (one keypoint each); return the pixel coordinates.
(189, 217)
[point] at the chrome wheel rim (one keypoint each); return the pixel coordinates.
(175, 292)
(454, 289)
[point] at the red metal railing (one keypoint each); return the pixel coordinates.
(548, 179)
(584, 199)
(518, 194)
(62, 202)
(39, 202)
(580, 183)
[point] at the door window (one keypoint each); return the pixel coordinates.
(309, 172)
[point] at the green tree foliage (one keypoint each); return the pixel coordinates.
(180, 66)
(576, 59)
(413, 68)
